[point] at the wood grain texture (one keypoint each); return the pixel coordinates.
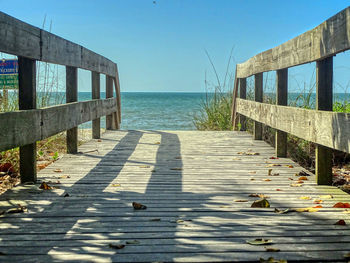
(95, 86)
(324, 101)
(191, 213)
(281, 99)
(49, 121)
(327, 39)
(329, 129)
(21, 39)
(27, 101)
(258, 96)
(243, 95)
(72, 96)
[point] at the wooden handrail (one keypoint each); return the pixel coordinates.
(21, 39)
(327, 39)
(327, 129)
(25, 127)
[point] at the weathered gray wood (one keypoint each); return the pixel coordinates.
(72, 96)
(110, 121)
(327, 39)
(19, 38)
(190, 212)
(243, 95)
(22, 39)
(281, 99)
(324, 101)
(258, 96)
(96, 124)
(117, 92)
(330, 129)
(234, 96)
(27, 101)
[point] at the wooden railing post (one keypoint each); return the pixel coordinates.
(243, 95)
(258, 95)
(72, 96)
(95, 85)
(110, 119)
(27, 101)
(281, 99)
(324, 101)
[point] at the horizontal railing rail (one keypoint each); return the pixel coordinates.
(329, 130)
(25, 127)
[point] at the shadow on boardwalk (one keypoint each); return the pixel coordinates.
(179, 225)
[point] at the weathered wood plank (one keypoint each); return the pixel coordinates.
(72, 96)
(281, 99)
(27, 101)
(330, 129)
(327, 39)
(258, 96)
(95, 85)
(324, 101)
(243, 95)
(48, 121)
(21, 39)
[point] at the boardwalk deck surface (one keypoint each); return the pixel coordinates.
(189, 181)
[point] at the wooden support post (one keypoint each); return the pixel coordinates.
(27, 101)
(281, 99)
(324, 101)
(243, 95)
(110, 123)
(72, 96)
(258, 95)
(96, 124)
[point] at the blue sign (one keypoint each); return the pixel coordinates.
(8, 66)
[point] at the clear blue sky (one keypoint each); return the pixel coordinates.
(160, 47)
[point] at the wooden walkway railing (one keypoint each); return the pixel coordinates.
(329, 130)
(28, 125)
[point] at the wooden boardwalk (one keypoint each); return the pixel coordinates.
(189, 181)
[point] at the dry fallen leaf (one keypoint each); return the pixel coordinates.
(145, 166)
(157, 143)
(305, 197)
(317, 206)
(278, 189)
(116, 246)
(252, 172)
(263, 203)
(259, 241)
(138, 206)
(19, 209)
(64, 177)
(262, 196)
(252, 179)
(290, 166)
(45, 186)
(269, 172)
(240, 201)
(273, 157)
(290, 179)
(302, 178)
(99, 140)
(272, 249)
(317, 201)
(341, 205)
(340, 222)
(115, 185)
(155, 219)
(248, 153)
(58, 170)
(267, 180)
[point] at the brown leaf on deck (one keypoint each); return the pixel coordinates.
(306, 209)
(302, 178)
(116, 246)
(267, 180)
(45, 186)
(138, 206)
(285, 211)
(273, 157)
(145, 166)
(240, 200)
(263, 203)
(305, 197)
(341, 205)
(176, 169)
(16, 210)
(58, 170)
(272, 260)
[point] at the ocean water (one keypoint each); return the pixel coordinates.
(155, 110)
